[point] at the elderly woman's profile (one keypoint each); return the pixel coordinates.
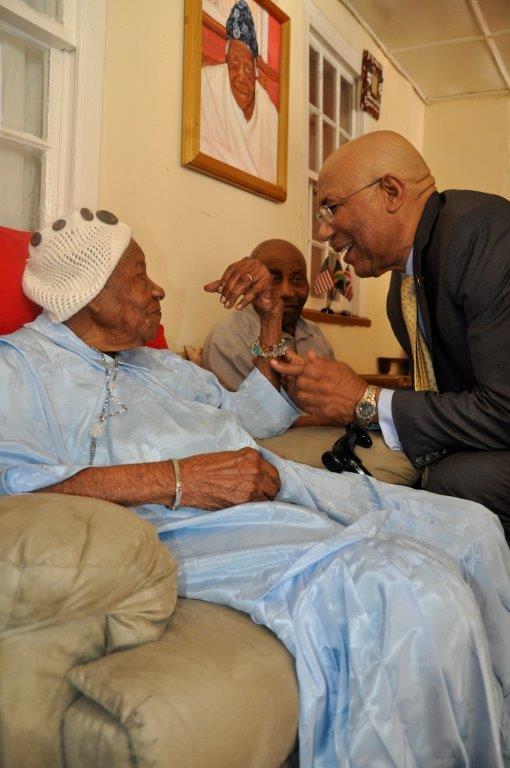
(394, 602)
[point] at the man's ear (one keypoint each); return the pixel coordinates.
(394, 190)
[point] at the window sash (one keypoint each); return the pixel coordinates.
(320, 52)
(70, 162)
(54, 186)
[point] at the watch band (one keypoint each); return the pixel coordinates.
(367, 403)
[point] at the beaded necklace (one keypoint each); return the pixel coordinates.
(97, 427)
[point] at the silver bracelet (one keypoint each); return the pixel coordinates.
(178, 484)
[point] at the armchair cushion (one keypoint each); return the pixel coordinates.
(215, 691)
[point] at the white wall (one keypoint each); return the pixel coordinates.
(192, 226)
(467, 143)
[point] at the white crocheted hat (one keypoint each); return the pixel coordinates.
(71, 260)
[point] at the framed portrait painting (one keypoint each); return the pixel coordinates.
(236, 93)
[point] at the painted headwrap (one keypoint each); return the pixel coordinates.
(240, 26)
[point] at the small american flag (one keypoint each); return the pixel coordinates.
(324, 280)
(348, 292)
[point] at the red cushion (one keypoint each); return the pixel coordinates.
(15, 308)
(159, 342)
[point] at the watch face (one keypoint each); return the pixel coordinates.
(365, 411)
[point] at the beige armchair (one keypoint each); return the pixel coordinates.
(100, 667)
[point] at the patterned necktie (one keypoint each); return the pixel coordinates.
(424, 378)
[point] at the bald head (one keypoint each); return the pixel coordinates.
(371, 156)
(287, 265)
(269, 251)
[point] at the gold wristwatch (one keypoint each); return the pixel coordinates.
(365, 410)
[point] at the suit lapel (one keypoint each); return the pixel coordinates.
(422, 241)
(393, 305)
(394, 311)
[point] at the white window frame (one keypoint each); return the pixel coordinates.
(70, 173)
(319, 26)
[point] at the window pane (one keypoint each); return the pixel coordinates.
(328, 140)
(24, 85)
(20, 190)
(51, 8)
(329, 90)
(343, 140)
(318, 256)
(313, 75)
(313, 152)
(315, 210)
(346, 105)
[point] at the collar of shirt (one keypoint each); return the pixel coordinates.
(303, 330)
(61, 335)
(409, 264)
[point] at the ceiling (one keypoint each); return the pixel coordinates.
(446, 48)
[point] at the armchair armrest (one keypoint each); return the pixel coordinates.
(79, 578)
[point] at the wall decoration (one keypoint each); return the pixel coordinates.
(235, 93)
(371, 85)
(333, 279)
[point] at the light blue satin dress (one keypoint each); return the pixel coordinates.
(394, 602)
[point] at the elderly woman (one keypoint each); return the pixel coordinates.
(394, 602)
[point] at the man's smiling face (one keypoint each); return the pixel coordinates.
(287, 266)
(360, 224)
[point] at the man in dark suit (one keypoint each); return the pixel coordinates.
(448, 304)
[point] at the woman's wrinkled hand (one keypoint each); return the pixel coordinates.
(218, 480)
(248, 281)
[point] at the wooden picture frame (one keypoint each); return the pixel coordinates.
(199, 27)
(371, 85)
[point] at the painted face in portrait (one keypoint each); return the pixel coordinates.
(242, 75)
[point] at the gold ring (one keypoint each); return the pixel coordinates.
(251, 278)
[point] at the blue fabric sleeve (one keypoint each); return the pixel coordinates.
(257, 406)
(32, 454)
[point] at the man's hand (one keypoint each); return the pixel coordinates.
(251, 280)
(327, 389)
(219, 480)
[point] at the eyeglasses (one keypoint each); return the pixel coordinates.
(326, 212)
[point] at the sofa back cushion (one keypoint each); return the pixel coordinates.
(15, 308)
